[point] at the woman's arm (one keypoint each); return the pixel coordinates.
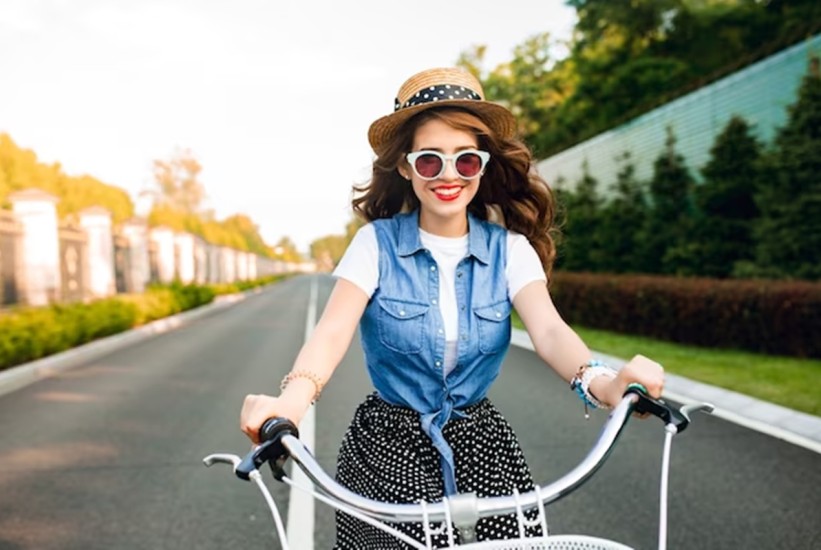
(320, 356)
(559, 346)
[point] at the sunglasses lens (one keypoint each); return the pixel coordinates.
(469, 165)
(428, 166)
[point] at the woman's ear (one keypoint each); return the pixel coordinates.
(403, 172)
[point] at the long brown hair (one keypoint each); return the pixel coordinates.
(511, 192)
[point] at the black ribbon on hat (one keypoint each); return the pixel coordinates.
(441, 92)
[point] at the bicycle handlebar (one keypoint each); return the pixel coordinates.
(279, 439)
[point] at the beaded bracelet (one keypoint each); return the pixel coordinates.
(313, 377)
(580, 383)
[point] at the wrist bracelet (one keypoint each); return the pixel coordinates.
(313, 377)
(580, 383)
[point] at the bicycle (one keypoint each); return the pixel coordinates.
(280, 441)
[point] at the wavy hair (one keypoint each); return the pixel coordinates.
(511, 192)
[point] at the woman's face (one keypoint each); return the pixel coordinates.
(444, 201)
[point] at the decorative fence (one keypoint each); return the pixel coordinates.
(10, 232)
(44, 261)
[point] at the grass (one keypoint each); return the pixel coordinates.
(787, 381)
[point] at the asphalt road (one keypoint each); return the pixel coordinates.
(108, 455)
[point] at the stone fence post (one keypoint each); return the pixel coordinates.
(184, 255)
(136, 233)
(96, 221)
(36, 212)
(163, 241)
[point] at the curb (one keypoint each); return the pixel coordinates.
(19, 376)
(792, 426)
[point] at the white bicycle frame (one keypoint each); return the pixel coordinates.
(460, 513)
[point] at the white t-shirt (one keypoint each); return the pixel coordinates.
(360, 265)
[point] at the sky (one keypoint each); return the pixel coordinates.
(273, 98)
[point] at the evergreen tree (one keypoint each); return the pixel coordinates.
(789, 230)
(725, 203)
(582, 237)
(621, 221)
(666, 238)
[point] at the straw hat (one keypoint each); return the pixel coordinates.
(442, 87)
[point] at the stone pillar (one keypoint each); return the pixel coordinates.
(228, 264)
(96, 222)
(136, 232)
(200, 261)
(213, 254)
(184, 244)
(242, 265)
(163, 240)
(252, 266)
(36, 212)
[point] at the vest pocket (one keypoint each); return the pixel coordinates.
(493, 326)
(402, 325)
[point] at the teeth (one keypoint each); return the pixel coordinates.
(448, 192)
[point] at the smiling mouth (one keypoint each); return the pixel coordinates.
(447, 193)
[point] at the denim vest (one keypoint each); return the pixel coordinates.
(403, 334)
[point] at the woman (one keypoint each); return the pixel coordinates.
(460, 231)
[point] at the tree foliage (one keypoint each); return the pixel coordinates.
(789, 229)
(178, 181)
(629, 56)
(725, 201)
(21, 169)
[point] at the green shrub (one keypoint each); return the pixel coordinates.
(776, 317)
(28, 333)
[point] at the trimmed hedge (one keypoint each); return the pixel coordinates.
(773, 317)
(29, 333)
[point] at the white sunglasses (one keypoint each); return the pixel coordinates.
(430, 165)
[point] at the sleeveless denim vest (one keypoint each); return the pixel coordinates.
(402, 330)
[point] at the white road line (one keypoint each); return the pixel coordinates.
(300, 503)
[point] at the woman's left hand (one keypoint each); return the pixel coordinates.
(639, 370)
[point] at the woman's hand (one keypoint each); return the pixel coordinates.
(256, 409)
(639, 370)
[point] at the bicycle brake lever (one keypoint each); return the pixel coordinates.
(270, 449)
(686, 410)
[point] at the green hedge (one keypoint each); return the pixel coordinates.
(27, 334)
(774, 317)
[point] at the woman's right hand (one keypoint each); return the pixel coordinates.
(257, 408)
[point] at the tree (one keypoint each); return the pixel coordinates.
(622, 219)
(667, 246)
(789, 229)
(582, 238)
(178, 182)
(725, 201)
(328, 250)
(286, 250)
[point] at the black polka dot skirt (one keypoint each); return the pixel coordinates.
(386, 456)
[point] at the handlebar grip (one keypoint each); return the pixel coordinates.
(657, 407)
(270, 449)
(272, 427)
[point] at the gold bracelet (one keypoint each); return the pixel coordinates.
(313, 377)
